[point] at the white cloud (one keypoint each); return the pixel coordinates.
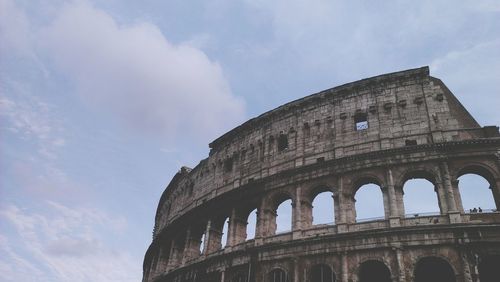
(136, 73)
(31, 119)
(64, 244)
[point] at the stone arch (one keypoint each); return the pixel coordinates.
(431, 177)
(193, 245)
(364, 179)
(322, 273)
(251, 223)
(366, 189)
(482, 170)
(420, 172)
(321, 194)
(434, 269)
(276, 200)
(374, 270)
(215, 232)
(277, 275)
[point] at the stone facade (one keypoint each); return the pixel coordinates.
(383, 130)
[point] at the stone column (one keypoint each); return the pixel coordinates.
(466, 267)
(456, 194)
(385, 198)
(443, 207)
(495, 189)
(296, 272)
(297, 214)
(306, 214)
(392, 194)
(342, 207)
(187, 247)
(345, 268)
(260, 225)
(401, 265)
(206, 239)
(399, 193)
(453, 212)
(232, 229)
(336, 208)
(171, 257)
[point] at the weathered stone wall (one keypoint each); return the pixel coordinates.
(416, 128)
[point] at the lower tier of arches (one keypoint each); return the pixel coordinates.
(440, 253)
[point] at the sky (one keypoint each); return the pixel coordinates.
(102, 102)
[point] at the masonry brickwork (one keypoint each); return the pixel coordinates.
(383, 130)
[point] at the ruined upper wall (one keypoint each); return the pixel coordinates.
(400, 109)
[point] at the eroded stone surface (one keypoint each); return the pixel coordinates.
(383, 130)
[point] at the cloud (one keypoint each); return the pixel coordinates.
(64, 244)
(134, 72)
(31, 119)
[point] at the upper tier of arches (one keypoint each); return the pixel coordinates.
(396, 111)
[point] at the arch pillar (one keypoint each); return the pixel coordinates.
(495, 189)
(345, 268)
(297, 213)
(171, 256)
(466, 266)
(342, 208)
(261, 224)
(391, 204)
(186, 255)
(336, 208)
(399, 193)
(401, 266)
(456, 194)
(443, 207)
(213, 238)
(236, 229)
(306, 214)
(453, 212)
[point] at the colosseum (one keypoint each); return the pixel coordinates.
(384, 131)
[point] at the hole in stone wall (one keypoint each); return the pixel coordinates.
(475, 193)
(202, 243)
(369, 202)
(323, 212)
(282, 142)
(419, 197)
(251, 225)
(225, 233)
(409, 142)
(361, 121)
(284, 217)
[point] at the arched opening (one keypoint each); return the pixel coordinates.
(369, 203)
(202, 244)
(251, 225)
(434, 269)
(475, 193)
(225, 233)
(322, 209)
(284, 217)
(374, 270)
(277, 275)
(489, 270)
(420, 197)
(322, 273)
